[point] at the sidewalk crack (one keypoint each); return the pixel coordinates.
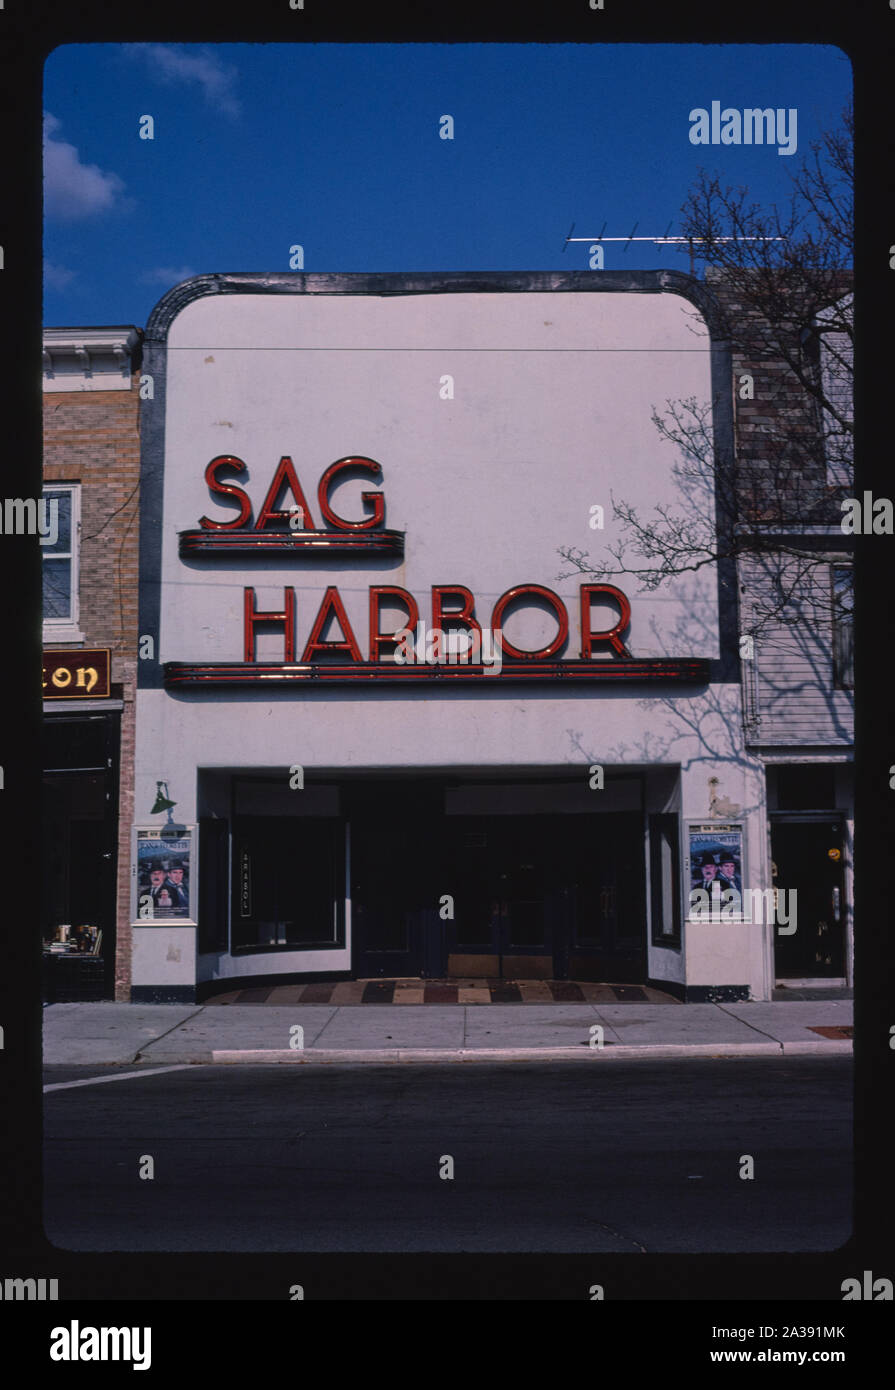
(336, 1008)
(153, 1041)
(754, 1026)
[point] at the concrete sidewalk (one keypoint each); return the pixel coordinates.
(98, 1034)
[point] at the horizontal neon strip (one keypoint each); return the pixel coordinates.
(249, 542)
(685, 669)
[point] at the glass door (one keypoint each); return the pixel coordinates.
(396, 879)
(524, 853)
(808, 860)
(606, 876)
(500, 874)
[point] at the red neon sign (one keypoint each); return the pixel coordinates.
(408, 654)
(285, 476)
(290, 529)
(415, 656)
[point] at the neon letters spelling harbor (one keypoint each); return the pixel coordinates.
(457, 647)
(752, 126)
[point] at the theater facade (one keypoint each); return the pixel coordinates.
(384, 727)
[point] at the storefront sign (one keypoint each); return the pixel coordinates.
(243, 535)
(408, 654)
(456, 646)
(338, 432)
(76, 675)
(245, 882)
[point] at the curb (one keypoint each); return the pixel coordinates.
(311, 1056)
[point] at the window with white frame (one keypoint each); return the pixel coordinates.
(60, 562)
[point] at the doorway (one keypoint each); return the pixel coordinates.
(397, 878)
(809, 857)
(492, 896)
(79, 818)
(506, 898)
(549, 897)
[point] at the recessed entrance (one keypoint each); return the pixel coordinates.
(809, 858)
(507, 905)
(396, 878)
(80, 827)
(499, 896)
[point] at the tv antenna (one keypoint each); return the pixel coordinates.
(663, 240)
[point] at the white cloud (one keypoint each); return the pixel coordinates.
(163, 275)
(171, 63)
(73, 190)
(57, 277)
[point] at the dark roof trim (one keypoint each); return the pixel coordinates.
(432, 282)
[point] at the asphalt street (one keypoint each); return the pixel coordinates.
(639, 1155)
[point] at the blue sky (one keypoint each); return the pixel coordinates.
(259, 147)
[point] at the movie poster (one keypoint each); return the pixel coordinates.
(715, 867)
(163, 876)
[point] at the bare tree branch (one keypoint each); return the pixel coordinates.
(787, 313)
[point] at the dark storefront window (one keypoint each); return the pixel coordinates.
(214, 853)
(75, 835)
(607, 881)
(665, 892)
(77, 744)
(286, 883)
(77, 891)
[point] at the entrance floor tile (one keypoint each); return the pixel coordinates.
(378, 992)
(598, 994)
(535, 991)
(566, 992)
(348, 992)
(473, 994)
(505, 992)
(291, 994)
(436, 993)
(410, 991)
(407, 992)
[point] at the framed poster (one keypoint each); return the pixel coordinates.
(164, 876)
(714, 871)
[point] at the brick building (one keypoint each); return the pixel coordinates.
(91, 402)
(791, 469)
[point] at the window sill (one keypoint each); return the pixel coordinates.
(280, 946)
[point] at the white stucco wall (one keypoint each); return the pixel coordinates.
(164, 955)
(551, 414)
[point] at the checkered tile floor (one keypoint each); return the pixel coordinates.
(447, 992)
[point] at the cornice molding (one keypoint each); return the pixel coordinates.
(89, 358)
